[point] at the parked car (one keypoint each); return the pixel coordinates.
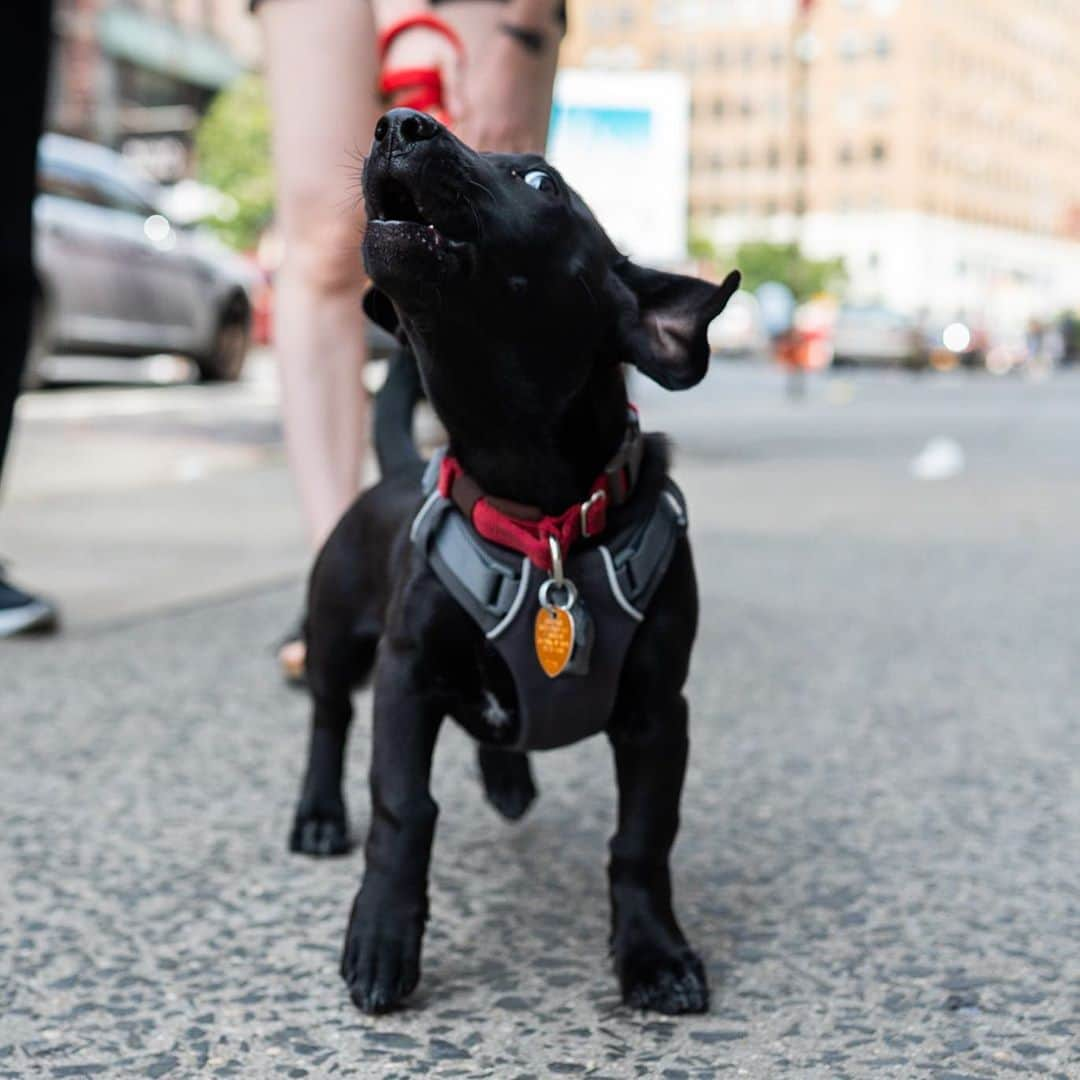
(118, 277)
(877, 335)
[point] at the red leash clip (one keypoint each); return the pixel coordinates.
(425, 84)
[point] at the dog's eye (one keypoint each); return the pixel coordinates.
(540, 181)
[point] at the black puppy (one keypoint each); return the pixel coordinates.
(520, 313)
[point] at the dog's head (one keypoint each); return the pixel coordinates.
(490, 251)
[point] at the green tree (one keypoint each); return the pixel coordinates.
(699, 246)
(760, 262)
(233, 145)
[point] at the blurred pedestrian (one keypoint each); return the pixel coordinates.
(1070, 332)
(492, 64)
(24, 78)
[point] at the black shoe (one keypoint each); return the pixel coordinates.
(21, 613)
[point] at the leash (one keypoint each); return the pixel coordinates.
(419, 87)
(546, 538)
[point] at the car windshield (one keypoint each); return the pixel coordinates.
(65, 163)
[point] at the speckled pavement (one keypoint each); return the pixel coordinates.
(878, 856)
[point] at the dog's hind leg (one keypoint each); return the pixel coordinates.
(334, 666)
(508, 780)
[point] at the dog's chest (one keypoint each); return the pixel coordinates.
(514, 697)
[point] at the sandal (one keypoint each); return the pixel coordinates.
(292, 657)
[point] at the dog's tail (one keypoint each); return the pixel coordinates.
(395, 404)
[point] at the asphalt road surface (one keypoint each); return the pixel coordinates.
(878, 855)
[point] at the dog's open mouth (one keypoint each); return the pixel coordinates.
(394, 202)
(393, 205)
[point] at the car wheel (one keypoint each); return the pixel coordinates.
(232, 338)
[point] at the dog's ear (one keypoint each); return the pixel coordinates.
(663, 324)
(379, 309)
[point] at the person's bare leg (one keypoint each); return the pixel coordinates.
(321, 71)
(499, 97)
(511, 53)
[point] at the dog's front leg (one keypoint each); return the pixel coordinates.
(656, 968)
(381, 959)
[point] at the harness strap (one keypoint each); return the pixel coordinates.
(492, 585)
(637, 564)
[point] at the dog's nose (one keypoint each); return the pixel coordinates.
(406, 126)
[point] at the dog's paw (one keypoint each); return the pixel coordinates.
(381, 959)
(320, 832)
(508, 781)
(663, 982)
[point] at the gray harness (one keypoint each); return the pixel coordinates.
(499, 589)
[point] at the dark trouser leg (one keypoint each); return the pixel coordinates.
(656, 968)
(381, 960)
(23, 78)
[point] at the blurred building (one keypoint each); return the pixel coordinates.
(931, 143)
(137, 74)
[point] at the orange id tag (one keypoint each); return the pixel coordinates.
(553, 637)
(563, 632)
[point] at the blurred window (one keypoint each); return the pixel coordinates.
(597, 19)
(880, 98)
(67, 182)
(883, 45)
(718, 107)
(119, 197)
(772, 157)
(845, 154)
(878, 151)
(850, 46)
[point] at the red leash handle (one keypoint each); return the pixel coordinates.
(425, 84)
(431, 22)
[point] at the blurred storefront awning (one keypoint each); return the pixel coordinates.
(162, 46)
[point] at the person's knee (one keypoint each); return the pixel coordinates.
(325, 254)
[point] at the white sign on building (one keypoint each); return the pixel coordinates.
(621, 139)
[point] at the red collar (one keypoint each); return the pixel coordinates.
(526, 528)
